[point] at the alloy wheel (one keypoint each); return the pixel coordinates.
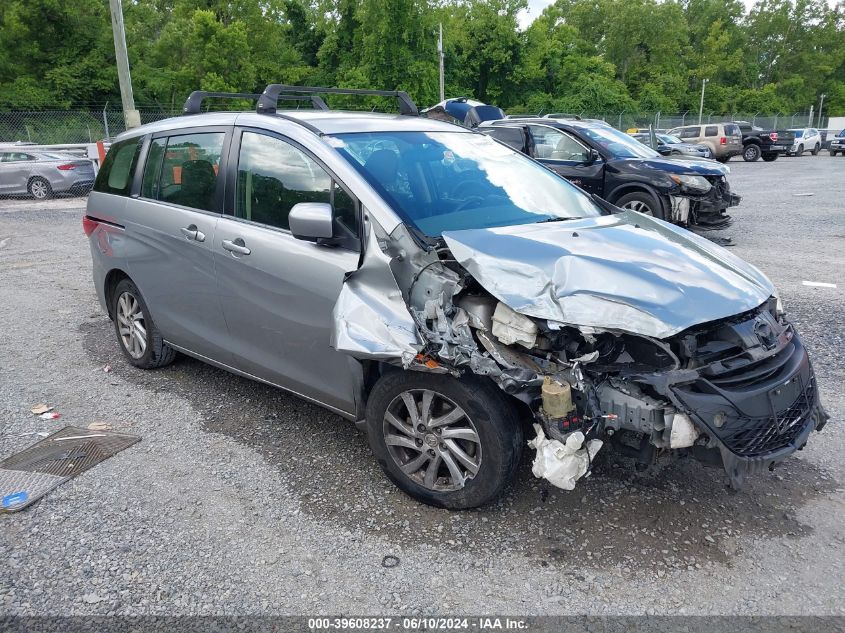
(131, 325)
(639, 206)
(39, 189)
(432, 440)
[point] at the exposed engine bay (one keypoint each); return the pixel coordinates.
(661, 370)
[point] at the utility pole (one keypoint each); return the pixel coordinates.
(440, 56)
(810, 124)
(130, 115)
(821, 105)
(701, 104)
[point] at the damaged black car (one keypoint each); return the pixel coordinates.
(693, 193)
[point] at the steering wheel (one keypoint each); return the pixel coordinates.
(478, 200)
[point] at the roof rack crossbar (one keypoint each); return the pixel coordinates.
(193, 105)
(269, 99)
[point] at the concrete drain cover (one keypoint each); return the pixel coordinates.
(27, 476)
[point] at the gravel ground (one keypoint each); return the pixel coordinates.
(243, 500)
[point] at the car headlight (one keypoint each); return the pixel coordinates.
(693, 184)
(778, 303)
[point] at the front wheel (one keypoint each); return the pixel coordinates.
(139, 338)
(799, 151)
(770, 157)
(642, 202)
(447, 442)
(751, 153)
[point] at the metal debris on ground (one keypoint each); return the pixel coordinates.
(100, 426)
(39, 409)
(27, 476)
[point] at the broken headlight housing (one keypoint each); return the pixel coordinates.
(692, 184)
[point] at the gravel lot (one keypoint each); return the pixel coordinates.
(243, 500)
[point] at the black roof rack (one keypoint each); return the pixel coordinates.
(193, 104)
(268, 101)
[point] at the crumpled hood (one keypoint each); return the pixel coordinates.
(625, 272)
(695, 166)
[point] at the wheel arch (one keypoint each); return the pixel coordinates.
(113, 277)
(636, 187)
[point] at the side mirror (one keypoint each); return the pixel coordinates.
(592, 156)
(311, 220)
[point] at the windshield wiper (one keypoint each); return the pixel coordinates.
(557, 220)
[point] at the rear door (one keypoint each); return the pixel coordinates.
(568, 157)
(16, 169)
(278, 291)
(171, 218)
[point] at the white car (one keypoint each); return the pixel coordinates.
(806, 139)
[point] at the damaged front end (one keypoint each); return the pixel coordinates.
(705, 206)
(618, 329)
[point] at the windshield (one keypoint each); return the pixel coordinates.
(449, 181)
(669, 139)
(619, 145)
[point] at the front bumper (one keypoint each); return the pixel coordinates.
(709, 211)
(757, 416)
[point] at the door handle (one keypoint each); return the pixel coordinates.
(236, 246)
(193, 233)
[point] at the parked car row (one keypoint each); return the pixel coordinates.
(442, 289)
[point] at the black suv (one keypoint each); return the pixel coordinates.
(604, 161)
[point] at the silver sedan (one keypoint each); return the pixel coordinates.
(41, 174)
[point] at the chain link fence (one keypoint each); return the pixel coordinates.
(49, 127)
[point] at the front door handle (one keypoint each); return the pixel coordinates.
(236, 246)
(193, 233)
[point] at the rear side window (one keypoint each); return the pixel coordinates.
(690, 132)
(732, 130)
(711, 130)
(115, 175)
(189, 166)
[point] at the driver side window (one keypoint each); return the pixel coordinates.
(555, 145)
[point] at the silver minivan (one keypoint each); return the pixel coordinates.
(445, 292)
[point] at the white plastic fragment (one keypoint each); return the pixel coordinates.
(683, 432)
(511, 327)
(562, 464)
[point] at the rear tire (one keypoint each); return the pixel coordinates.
(139, 338)
(770, 157)
(466, 470)
(642, 202)
(816, 149)
(723, 159)
(751, 153)
(40, 189)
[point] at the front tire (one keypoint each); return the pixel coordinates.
(40, 189)
(642, 202)
(751, 153)
(139, 338)
(800, 151)
(447, 442)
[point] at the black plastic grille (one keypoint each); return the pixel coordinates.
(755, 437)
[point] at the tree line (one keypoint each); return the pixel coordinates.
(578, 55)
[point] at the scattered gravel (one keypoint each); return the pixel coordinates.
(243, 500)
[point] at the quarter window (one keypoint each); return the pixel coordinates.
(273, 175)
(115, 175)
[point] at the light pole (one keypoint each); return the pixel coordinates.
(821, 105)
(130, 115)
(701, 103)
(440, 56)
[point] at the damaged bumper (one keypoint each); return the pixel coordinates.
(709, 211)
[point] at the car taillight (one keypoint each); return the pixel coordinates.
(66, 167)
(88, 225)
(723, 141)
(774, 136)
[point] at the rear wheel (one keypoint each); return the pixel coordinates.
(751, 153)
(723, 159)
(641, 202)
(39, 188)
(770, 157)
(816, 149)
(446, 442)
(139, 338)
